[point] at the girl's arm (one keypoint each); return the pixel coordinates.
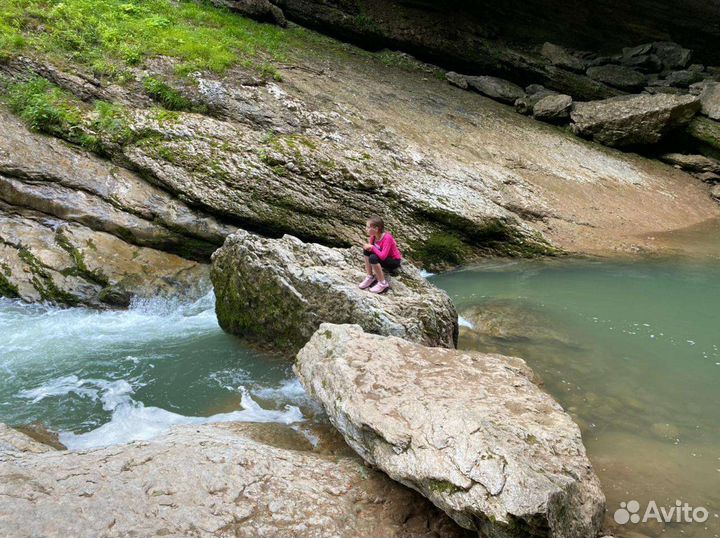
(386, 247)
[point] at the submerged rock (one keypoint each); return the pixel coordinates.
(633, 119)
(210, 480)
(277, 292)
(470, 431)
(509, 322)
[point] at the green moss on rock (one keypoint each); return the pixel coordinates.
(7, 288)
(80, 269)
(440, 248)
(43, 282)
(706, 131)
(443, 486)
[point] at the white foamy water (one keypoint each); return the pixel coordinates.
(132, 421)
(107, 377)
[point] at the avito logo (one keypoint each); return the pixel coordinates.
(680, 513)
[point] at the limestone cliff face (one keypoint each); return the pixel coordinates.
(343, 136)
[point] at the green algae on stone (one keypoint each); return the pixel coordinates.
(7, 288)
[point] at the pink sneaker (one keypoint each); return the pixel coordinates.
(369, 281)
(380, 287)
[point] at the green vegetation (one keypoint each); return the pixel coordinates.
(45, 107)
(81, 269)
(111, 35)
(443, 486)
(168, 97)
(365, 23)
(43, 281)
(440, 249)
(111, 120)
(49, 109)
(7, 288)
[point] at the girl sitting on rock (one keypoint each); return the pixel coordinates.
(381, 252)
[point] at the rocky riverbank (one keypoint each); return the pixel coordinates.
(496, 454)
(471, 432)
(171, 162)
(240, 480)
(125, 167)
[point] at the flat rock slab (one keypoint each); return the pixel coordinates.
(470, 431)
(277, 292)
(617, 76)
(692, 163)
(633, 119)
(211, 480)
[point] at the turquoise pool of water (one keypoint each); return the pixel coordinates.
(631, 350)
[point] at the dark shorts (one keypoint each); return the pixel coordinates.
(389, 263)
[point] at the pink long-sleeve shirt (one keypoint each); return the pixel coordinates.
(386, 247)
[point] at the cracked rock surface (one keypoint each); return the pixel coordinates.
(470, 431)
(210, 480)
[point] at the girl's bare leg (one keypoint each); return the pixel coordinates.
(377, 268)
(368, 268)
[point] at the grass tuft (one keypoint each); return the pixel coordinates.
(168, 97)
